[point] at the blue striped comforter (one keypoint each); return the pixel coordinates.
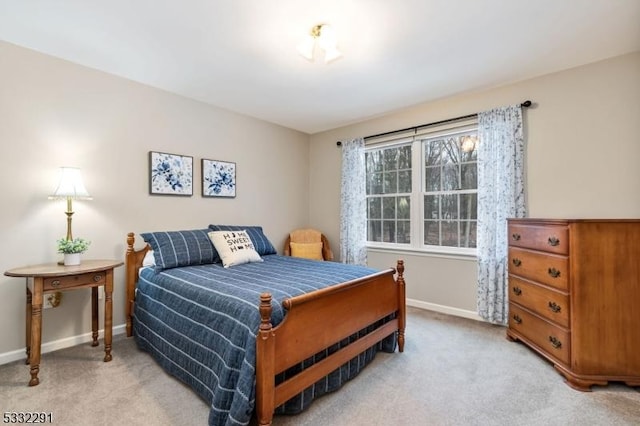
(200, 324)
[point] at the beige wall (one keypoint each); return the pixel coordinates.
(54, 113)
(583, 147)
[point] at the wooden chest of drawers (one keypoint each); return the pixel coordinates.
(574, 296)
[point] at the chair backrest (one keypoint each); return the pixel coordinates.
(308, 243)
(307, 235)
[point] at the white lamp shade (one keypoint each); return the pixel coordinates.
(327, 39)
(331, 55)
(329, 43)
(70, 185)
(305, 47)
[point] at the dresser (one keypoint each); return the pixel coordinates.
(574, 296)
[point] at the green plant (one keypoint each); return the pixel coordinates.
(77, 245)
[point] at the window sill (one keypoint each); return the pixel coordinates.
(446, 254)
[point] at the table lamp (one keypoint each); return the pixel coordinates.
(70, 187)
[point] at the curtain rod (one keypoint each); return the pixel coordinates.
(525, 104)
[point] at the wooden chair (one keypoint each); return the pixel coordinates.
(308, 243)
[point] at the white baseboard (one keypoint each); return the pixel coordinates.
(67, 342)
(444, 309)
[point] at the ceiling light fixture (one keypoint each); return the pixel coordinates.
(323, 36)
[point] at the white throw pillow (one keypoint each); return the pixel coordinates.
(149, 259)
(234, 247)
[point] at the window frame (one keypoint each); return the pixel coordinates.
(395, 143)
(416, 139)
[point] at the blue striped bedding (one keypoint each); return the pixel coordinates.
(200, 324)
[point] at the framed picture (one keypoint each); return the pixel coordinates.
(170, 174)
(218, 178)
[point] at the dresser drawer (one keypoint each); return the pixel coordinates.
(552, 239)
(550, 338)
(58, 283)
(551, 304)
(549, 269)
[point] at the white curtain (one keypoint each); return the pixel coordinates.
(500, 196)
(353, 213)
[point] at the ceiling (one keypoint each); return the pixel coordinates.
(241, 55)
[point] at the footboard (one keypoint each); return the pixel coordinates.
(317, 320)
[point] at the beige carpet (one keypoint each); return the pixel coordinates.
(453, 372)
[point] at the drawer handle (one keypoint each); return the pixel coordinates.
(516, 262)
(553, 241)
(554, 307)
(55, 283)
(517, 291)
(516, 237)
(554, 273)
(555, 342)
(97, 278)
(517, 319)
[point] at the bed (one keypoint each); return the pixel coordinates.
(271, 334)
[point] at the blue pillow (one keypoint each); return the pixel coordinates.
(181, 248)
(260, 241)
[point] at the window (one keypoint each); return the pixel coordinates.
(389, 184)
(450, 191)
(431, 206)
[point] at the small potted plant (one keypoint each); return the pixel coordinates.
(71, 249)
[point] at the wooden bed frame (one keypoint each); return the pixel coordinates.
(314, 321)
